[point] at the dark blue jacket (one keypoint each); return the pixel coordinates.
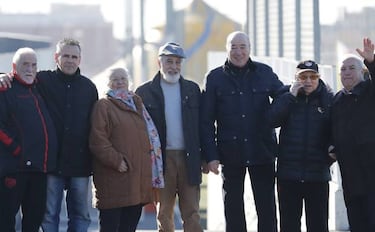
(353, 128)
(304, 135)
(237, 101)
(27, 134)
(70, 99)
(153, 99)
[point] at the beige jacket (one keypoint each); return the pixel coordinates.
(119, 133)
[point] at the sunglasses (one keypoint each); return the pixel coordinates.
(312, 77)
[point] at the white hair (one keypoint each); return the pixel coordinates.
(357, 59)
(20, 52)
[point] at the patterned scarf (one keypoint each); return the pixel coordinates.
(156, 157)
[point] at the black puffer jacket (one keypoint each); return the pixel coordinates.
(304, 135)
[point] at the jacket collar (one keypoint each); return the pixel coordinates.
(229, 67)
(67, 77)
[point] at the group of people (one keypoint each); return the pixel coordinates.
(152, 145)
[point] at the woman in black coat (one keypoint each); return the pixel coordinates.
(303, 162)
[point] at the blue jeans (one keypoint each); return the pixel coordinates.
(76, 201)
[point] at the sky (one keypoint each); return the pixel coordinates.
(113, 9)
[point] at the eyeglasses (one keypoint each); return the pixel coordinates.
(312, 77)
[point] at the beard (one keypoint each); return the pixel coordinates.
(171, 78)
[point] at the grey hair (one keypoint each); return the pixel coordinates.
(357, 59)
(67, 41)
(235, 34)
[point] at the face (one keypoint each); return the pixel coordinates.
(351, 73)
(26, 67)
(238, 50)
(310, 81)
(118, 80)
(170, 68)
(68, 59)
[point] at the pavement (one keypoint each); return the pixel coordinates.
(147, 221)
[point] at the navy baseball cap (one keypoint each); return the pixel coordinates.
(171, 49)
(307, 65)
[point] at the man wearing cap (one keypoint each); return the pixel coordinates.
(303, 115)
(235, 100)
(173, 103)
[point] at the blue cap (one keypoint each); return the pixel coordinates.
(307, 65)
(171, 49)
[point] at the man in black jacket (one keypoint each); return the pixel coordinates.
(173, 103)
(234, 103)
(353, 129)
(28, 147)
(70, 97)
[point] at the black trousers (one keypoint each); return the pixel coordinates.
(262, 179)
(361, 212)
(124, 219)
(28, 191)
(292, 195)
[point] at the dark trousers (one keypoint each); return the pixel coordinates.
(292, 195)
(262, 179)
(361, 212)
(123, 219)
(29, 193)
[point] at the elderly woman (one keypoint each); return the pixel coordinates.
(303, 115)
(127, 160)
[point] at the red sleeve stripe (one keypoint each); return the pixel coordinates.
(5, 138)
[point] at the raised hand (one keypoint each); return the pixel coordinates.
(368, 50)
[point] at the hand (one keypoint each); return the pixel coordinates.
(204, 167)
(295, 87)
(368, 50)
(5, 80)
(213, 166)
(333, 156)
(123, 166)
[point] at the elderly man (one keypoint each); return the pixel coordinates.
(28, 146)
(173, 104)
(70, 97)
(234, 103)
(353, 115)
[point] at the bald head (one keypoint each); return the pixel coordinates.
(351, 71)
(238, 48)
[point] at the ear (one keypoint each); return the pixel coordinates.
(159, 63)
(56, 57)
(14, 66)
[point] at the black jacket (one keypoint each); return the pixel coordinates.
(27, 134)
(70, 100)
(353, 117)
(153, 99)
(237, 101)
(304, 135)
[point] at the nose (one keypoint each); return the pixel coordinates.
(29, 68)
